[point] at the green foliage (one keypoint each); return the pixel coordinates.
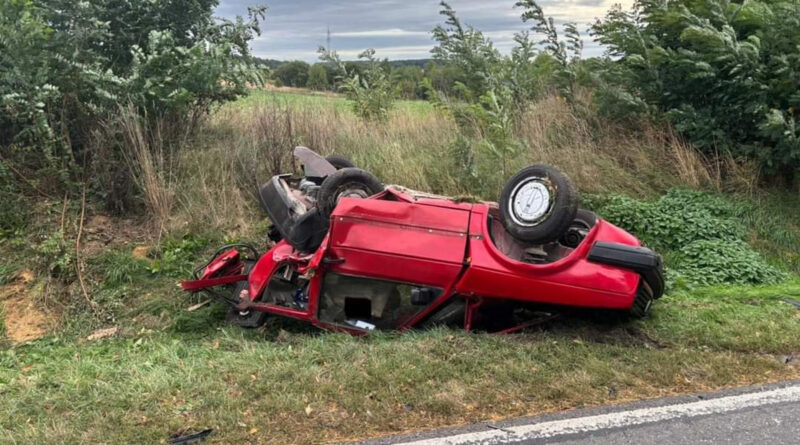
(66, 66)
(701, 235)
(13, 214)
(120, 268)
(565, 54)
(493, 90)
(718, 261)
(408, 81)
(293, 74)
(7, 273)
(772, 219)
(318, 77)
(178, 256)
(369, 88)
(726, 74)
(678, 218)
(56, 256)
(467, 50)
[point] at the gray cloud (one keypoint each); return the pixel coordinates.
(397, 29)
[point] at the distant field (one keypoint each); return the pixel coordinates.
(309, 99)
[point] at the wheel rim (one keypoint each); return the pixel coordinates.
(530, 202)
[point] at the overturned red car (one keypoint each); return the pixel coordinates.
(353, 255)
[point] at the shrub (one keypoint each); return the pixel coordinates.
(56, 256)
(680, 217)
(701, 236)
(65, 67)
(716, 261)
(727, 74)
(370, 88)
(293, 74)
(317, 77)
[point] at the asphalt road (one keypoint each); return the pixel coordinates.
(756, 415)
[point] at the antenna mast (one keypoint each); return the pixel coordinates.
(328, 39)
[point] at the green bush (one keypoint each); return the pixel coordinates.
(56, 255)
(66, 66)
(678, 218)
(726, 74)
(292, 74)
(368, 86)
(701, 236)
(716, 261)
(318, 77)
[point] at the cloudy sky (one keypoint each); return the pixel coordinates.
(397, 29)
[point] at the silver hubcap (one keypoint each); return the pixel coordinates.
(530, 202)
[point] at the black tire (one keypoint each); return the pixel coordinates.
(554, 211)
(340, 162)
(643, 301)
(249, 319)
(347, 182)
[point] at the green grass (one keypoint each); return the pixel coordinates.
(193, 372)
(168, 370)
(775, 228)
(304, 100)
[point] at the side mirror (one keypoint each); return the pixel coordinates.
(422, 296)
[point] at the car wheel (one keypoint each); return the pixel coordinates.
(339, 162)
(538, 204)
(643, 301)
(245, 319)
(346, 183)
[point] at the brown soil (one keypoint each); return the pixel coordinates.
(24, 320)
(101, 231)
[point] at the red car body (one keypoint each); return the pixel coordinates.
(429, 243)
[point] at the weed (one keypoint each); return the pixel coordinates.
(700, 234)
(178, 256)
(7, 273)
(717, 261)
(120, 268)
(55, 255)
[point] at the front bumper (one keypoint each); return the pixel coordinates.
(639, 259)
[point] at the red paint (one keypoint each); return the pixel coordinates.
(434, 242)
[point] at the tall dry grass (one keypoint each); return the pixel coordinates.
(241, 147)
(151, 161)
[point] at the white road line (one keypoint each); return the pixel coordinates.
(640, 416)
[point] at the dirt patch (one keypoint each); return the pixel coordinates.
(101, 231)
(24, 320)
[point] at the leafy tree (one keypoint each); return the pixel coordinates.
(370, 90)
(467, 50)
(726, 74)
(565, 54)
(293, 74)
(318, 77)
(407, 80)
(66, 66)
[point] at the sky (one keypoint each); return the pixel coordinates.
(396, 29)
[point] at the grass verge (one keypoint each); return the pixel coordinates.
(287, 383)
